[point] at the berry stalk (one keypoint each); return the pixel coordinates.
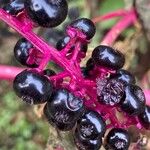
(111, 15)
(116, 30)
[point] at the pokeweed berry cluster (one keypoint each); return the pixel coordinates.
(85, 100)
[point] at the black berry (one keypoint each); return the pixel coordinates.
(86, 26)
(144, 117)
(14, 7)
(22, 52)
(57, 124)
(124, 76)
(32, 87)
(47, 13)
(91, 125)
(133, 102)
(65, 108)
(112, 92)
(86, 144)
(117, 139)
(90, 64)
(107, 57)
(61, 44)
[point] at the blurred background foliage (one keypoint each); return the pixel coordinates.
(21, 126)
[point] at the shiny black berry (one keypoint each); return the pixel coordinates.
(14, 7)
(90, 64)
(61, 44)
(133, 102)
(64, 108)
(22, 52)
(32, 87)
(86, 26)
(85, 72)
(117, 139)
(49, 72)
(86, 144)
(124, 76)
(47, 13)
(59, 125)
(144, 117)
(107, 57)
(91, 125)
(112, 92)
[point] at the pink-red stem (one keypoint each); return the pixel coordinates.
(116, 30)
(117, 13)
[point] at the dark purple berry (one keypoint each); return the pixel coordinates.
(90, 64)
(133, 102)
(32, 87)
(65, 108)
(59, 125)
(144, 117)
(86, 26)
(47, 13)
(86, 144)
(49, 72)
(22, 52)
(124, 76)
(91, 125)
(117, 139)
(105, 56)
(14, 7)
(85, 72)
(112, 92)
(61, 44)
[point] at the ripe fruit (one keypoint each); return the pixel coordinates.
(86, 144)
(61, 44)
(32, 87)
(144, 117)
(64, 108)
(91, 125)
(107, 57)
(55, 123)
(111, 93)
(85, 72)
(22, 52)
(124, 76)
(117, 139)
(86, 26)
(14, 7)
(49, 72)
(47, 13)
(90, 64)
(133, 102)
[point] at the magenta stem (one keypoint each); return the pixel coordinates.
(147, 95)
(8, 72)
(116, 30)
(38, 43)
(117, 13)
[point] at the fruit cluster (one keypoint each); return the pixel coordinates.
(85, 100)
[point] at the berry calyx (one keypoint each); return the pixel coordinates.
(107, 57)
(86, 144)
(22, 52)
(91, 125)
(47, 13)
(144, 117)
(65, 108)
(124, 76)
(14, 7)
(32, 87)
(86, 26)
(117, 139)
(112, 92)
(133, 102)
